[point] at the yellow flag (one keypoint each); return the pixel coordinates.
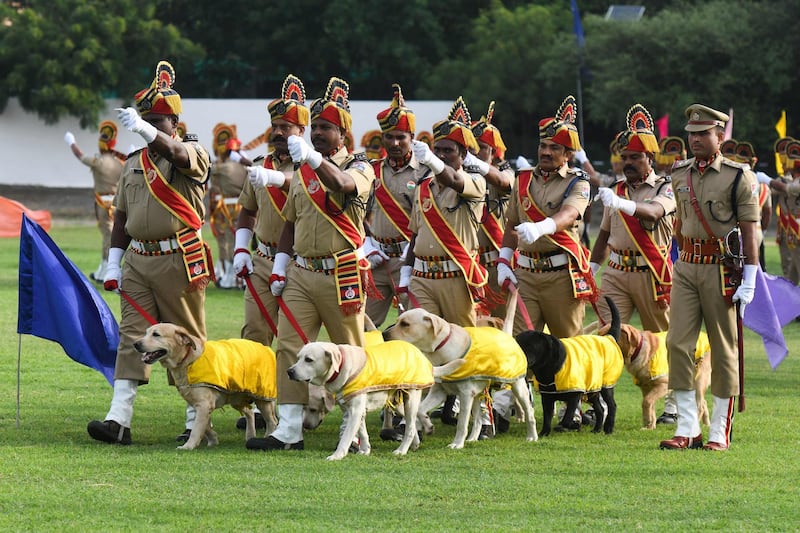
(780, 126)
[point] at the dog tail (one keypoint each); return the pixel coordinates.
(614, 330)
(448, 368)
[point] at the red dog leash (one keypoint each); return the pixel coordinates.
(292, 320)
(260, 304)
(510, 287)
(138, 307)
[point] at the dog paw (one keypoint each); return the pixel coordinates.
(185, 447)
(455, 446)
(532, 439)
(335, 457)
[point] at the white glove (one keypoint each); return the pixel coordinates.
(595, 267)
(424, 155)
(523, 163)
(112, 281)
(405, 279)
(302, 152)
(242, 260)
(69, 138)
(472, 161)
(580, 156)
(763, 178)
(405, 251)
(373, 253)
(261, 177)
(529, 232)
(133, 122)
(747, 289)
(277, 281)
(504, 272)
(612, 201)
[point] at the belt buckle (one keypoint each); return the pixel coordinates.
(541, 263)
(151, 246)
(433, 266)
(628, 261)
(317, 263)
(697, 249)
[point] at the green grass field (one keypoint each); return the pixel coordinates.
(53, 477)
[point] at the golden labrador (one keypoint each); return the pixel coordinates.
(209, 375)
(645, 357)
(491, 355)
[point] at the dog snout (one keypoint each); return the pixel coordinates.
(139, 346)
(292, 374)
(387, 333)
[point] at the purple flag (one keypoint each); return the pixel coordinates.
(776, 303)
(58, 303)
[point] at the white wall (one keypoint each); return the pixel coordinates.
(34, 153)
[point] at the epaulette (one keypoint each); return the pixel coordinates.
(682, 163)
(359, 161)
(505, 165)
(471, 169)
(136, 152)
(734, 164)
(360, 156)
(190, 138)
(259, 159)
(578, 173)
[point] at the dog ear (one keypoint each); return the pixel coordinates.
(335, 356)
(437, 326)
(184, 338)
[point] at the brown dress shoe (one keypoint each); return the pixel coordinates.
(715, 447)
(682, 443)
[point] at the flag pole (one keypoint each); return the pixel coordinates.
(19, 363)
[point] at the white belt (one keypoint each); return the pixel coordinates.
(322, 263)
(553, 261)
(445, 266)
(231, 201)
(627, 260)
(166, 245)
(491, 255)
(269, 251)
(107, 197)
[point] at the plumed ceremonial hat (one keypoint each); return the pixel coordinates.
(780, 144)
(728, 148)
(222, 133)
(639, 136)
(372, 141)
(291, 105)
(702, 118)
(486, 132)
(160, 98)
(613, 148)
(672, 149)
(744, 152)
(108, 135)
(456, 127)
(182, 129)
(335, 105)
(793, 155)
(397, 116)
(561, 128)
(426, 137)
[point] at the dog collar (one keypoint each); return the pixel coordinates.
(336, 373)
(444, 341)
(188, 351)
(638, 348)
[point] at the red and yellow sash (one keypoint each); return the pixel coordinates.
(789, 228)
(658, 259)
(276, 195)
(389, 204)
(473, 271)
(492, 227)
(352, 274)
(583, 285)
(196, 253)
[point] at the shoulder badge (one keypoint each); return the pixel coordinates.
(472, 169)
(682, 163)
(259, 159)
(578, 173)
(505, 165)
(734, 164)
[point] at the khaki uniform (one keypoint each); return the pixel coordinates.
(447, 297)
(789, 202)
(401, 184)
(267, 231)
(226, 181)
(697, 288)
(106, 170)
(157, 282)
(631, 287)
(311, 295)
(548, 294)
(781, 234)
(497, 202)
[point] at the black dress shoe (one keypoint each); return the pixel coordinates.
(487, 432)
(449, 415)
(667, 418)
(109, 431)
(183, 437)
(271, 443)
(241, 423)
(501, 424)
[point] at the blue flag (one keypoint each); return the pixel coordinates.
(776, 302)
(577, 27)
(58, 303)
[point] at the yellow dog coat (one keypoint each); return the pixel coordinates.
(592, 362)
(236, 365)
(493, 355)
(659, 364)
(391, 365)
